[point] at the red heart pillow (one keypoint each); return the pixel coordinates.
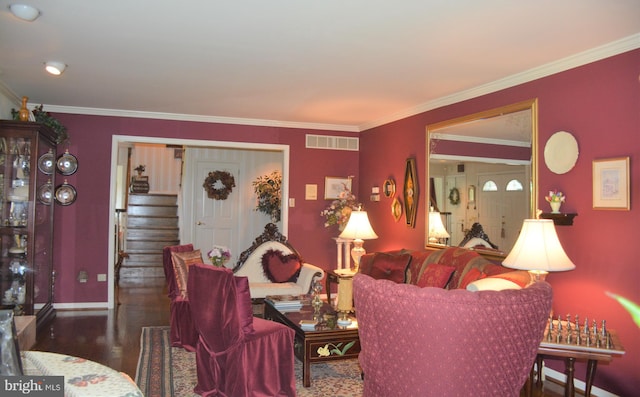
(280, 268)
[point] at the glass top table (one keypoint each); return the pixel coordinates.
(324, 341)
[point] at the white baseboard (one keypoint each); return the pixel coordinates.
(81, 305)
(577, 383)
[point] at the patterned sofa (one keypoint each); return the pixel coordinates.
(449, 268)
(274, 267)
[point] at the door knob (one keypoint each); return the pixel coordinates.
(199, 223)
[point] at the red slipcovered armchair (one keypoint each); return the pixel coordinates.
(236, 354)
(182, 332)
(435, 342)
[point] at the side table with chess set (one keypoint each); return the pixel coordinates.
(572, 341)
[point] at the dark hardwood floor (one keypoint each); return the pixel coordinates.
(112, 337)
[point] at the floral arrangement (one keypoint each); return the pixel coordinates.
(47, 119)
(268, 188)
(140, 169)
(338, 212)
(555, 197)
(219, 255)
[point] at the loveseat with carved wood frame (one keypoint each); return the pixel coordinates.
(250, 265)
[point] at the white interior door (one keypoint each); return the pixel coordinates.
(215, 221)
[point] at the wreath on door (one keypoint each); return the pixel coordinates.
(454, 196)
(219, 185)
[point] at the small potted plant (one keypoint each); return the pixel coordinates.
(268, 188)
(140, 169)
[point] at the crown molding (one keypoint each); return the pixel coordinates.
(199, 118)
(9, 94)
(595, 54)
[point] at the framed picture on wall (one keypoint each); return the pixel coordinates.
(410, 192)
(334, 185)
(611, 184)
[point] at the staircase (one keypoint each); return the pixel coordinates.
(152, 223)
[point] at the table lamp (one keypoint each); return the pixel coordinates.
(436, 228)
(538, 250)
(359, 229)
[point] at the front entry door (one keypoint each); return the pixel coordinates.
(501, 212)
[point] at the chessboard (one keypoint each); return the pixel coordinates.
(589, 337)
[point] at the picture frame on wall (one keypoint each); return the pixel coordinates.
(611, 184)
(410, 191)
(334, 185)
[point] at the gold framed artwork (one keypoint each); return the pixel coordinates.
(389, 188)
(611, 184)
(334, 185)
(396, 209)
(410, 192)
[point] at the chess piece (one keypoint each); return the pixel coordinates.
(559, 324)
(568, 323)
(586, 325)
(594, 328)
(603, 328)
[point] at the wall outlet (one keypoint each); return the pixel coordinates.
(102, 277)
(83, 276)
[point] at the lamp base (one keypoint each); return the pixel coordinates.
(344, 319)
(538, 275)
(356, 253)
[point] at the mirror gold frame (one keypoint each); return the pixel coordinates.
(532, 106)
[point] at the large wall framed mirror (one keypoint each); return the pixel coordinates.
(490, 155)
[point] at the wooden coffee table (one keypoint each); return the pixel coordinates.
(327, 343)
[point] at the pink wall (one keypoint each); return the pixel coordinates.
(600, 105)
(82, 232)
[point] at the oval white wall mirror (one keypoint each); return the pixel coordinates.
(561, 152)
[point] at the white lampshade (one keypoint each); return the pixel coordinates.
(24, 12)
(436, 228)
(55, 68)
(538, 249)
(359, 227)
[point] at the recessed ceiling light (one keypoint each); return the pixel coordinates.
(24, 12)
(55, 68)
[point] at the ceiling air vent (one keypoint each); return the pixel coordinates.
(333, 142)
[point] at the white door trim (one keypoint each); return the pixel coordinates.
(117, 140)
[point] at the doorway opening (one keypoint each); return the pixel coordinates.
(119, 141)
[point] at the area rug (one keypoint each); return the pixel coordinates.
(165, 371)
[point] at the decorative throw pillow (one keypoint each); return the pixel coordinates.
(435, 275)
(390, 266)
(243, 305)
(472, 275)
(492, 284)
(280, 268)
(521, 277)
(181, 262)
